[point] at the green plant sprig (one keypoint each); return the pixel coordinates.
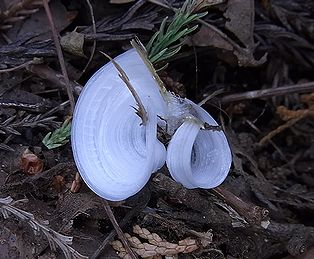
(59, 137)
(160, 47)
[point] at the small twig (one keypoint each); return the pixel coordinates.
(33, 107)
(212, 127)
(211, 96)
(252, 125)
(47, 73)
(31, 62)
(118, 230)
(60, 55)
(271, 92)
(281, 128)
(112, 234)
(141, 109)
(254, 214)
(94, 40)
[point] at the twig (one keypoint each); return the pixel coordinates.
(252, 125)
(118, 230)
(76, 183)
(60, 55)
(94, 40)
(47, 73)
(254, 214)
(211, 96)
(42, 106)
(31, 62)
(281, 128)
(112, 234)
(271, 92)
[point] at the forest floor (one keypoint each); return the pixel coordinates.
(250, 62)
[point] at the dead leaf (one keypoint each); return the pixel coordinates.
(240, 15)
(73, 43)
(30, 163)
(36, 27)
(209, 35)
(240, 21)
(206, 37)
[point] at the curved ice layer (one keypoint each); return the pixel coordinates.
(114, 153)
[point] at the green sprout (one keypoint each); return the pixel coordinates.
(59, 137)
(162, 44)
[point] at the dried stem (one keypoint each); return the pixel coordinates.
(141, 109)
(271, 92)
(112, 234)
(281, 128)
(47, 73)
(60, 55)
(94, 40)
(26, 64)
(118, 230)
(253, 214)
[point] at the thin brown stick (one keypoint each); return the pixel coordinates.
(255, 215)
(253, 126)
(31, 62)
(271, 92)
(118, 230)
(112, 234)
(94, 40)
(60, 55)
(281, 128)
(47, 73)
